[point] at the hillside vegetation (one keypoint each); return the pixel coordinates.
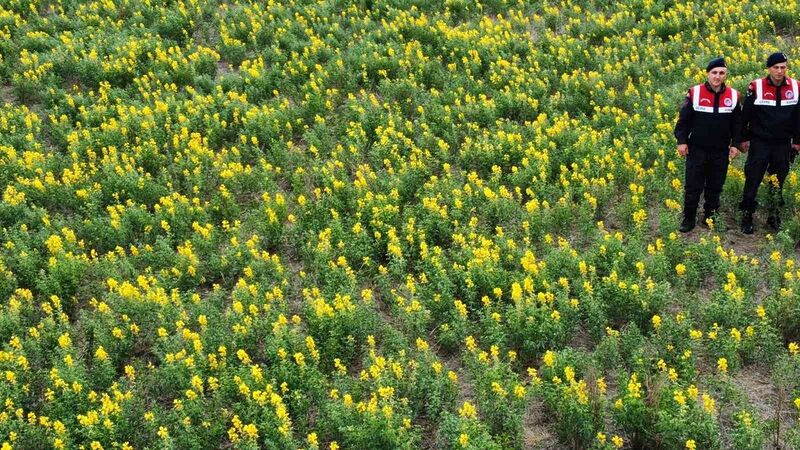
(382, 224)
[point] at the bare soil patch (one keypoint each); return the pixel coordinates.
(537, 432)
(7, 94)
(755, 382)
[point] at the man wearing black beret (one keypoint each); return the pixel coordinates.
(708, 124)
(771, 132)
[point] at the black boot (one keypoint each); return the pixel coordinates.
(747, 222)
(774, 221)
(710, 214)
(689, 219)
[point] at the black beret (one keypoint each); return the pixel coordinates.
(776, 58)
(716, 62)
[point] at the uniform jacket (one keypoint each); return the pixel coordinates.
(708, 118)
(771, 112)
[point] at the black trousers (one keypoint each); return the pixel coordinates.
(771, 157)
(706, 169)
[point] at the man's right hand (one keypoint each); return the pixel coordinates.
(744, 146)
(683, 149)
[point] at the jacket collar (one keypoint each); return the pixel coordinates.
(708, 86)
(769, 80)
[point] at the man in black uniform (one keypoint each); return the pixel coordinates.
(708, 123)
(769, 125)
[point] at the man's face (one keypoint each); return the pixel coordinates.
(716, 76)
(778, 72)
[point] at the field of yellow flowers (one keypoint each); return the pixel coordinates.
(382, 224)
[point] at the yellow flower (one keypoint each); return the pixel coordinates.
(679, 397)
(463, 439)
(163, 433)
(467, 411)
(101, 354)
(639, 216)
(634, 386)
(243, 356)
(673, 374)
(54, 244)
(709, 404)
(656, 321)
(497, 389)
(569, 374)
(64, 341)
(549, 358)
(618, 441)
(470, 343)
(601, 385)
(461, 308)
(516, 292)
(691, 445)
(680, 270)
(722, 365)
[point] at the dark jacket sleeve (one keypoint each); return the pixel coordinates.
(747, 113)
(796, 138)
(736, 126)
(684, 125)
